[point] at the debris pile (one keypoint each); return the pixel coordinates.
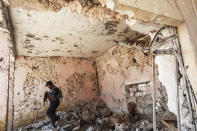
(143, 125)
(93, 116)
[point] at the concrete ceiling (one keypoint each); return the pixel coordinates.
(85, 28)
(64, 33)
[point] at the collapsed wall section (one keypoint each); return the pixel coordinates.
(125, 77)
(116, 68)
(74, 76)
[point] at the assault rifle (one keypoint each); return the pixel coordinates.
(46, 96)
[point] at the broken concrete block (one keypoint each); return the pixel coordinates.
(120, 127)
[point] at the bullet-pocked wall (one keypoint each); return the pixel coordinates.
(74, 76)
(118, 67)
(125, 75)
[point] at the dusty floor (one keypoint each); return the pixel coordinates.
(95, 116)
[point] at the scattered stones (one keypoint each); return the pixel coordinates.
(143, 125)
(120, 127)
(46, 127)
(94, 116)
(61, 115)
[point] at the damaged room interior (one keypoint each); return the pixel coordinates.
(121, 65)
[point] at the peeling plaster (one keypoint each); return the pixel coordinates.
(110, 4)
(160, 7)
(167, 75)
(74, 76)
(6, 2)
(117, 67)
(62, 38)
(121, 67)
(126, 12)
(131, 23)
(1, 16)
(155, 7)
(143, 27)
(167, 72)
(92, 17)
(85, 7)
(110, 67)
(4, 76)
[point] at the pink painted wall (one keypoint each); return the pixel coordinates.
(65, 70)
(118, 67)
(76, 77)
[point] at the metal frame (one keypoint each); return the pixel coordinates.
(175, 51)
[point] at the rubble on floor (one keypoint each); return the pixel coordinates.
(93, 116)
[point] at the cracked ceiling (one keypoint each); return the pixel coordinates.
(77, 29)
